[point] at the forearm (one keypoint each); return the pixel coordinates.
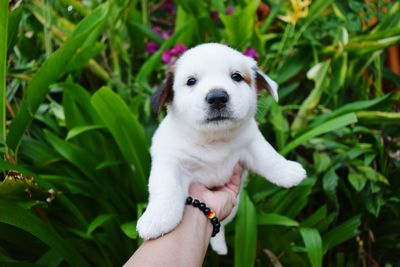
(185, 246)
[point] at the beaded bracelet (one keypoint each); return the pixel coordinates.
(207, 211)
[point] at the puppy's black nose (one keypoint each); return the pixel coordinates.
(217, 98)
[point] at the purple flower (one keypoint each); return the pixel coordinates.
(230, 10)
(166, 56)
(169, 6)
(178, 49)
(251, 52)
(151, 47)
(163, 34)
(214, 15)
(169, 55)
(157, 30)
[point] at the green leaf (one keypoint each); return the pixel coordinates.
(341, 233)
(325, 127)
(14, 215)
(97, 222)
(246, 233)
(129, 229)
(330, 183)
(128, 134)
(322, 161)
(50, 258)
(318, 73)
(14, 21)
(357, 180)
(3, 67)
(147, 31)
(280, 124)
(373, 203)
(81, 158)
(239, 26)
(313, 243)
(316, 217)
(51, 70)
(371, 174)
(351, 107)
(378, 117)
(82, 129)
(275, 219)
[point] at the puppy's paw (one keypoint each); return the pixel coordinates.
(218, 244)
(157, 222)
(291, 174)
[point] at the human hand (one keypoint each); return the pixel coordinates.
(221, 199)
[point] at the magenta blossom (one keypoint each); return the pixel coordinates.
(251, 52)
(151, 47)
(163, 34)
(178, 49)
(230, 10)
(168, 5)
(214, 15)
(169, 55)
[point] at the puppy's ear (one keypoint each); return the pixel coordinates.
(266, 83)
(164, 94)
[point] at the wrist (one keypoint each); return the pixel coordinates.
(207, 211)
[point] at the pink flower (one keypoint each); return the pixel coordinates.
(166, 56)
(178, 49)
(160, 32)
(230, 10)
(251, 52)
(214, 15)
(169, 6)
(151, 47)
(157, 30)
(169, 55)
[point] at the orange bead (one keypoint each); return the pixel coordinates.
(211, 215)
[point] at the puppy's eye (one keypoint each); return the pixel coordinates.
(191, 81)
(237, 77)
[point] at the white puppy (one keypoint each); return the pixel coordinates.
(211, 97)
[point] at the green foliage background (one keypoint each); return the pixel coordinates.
(75, 82)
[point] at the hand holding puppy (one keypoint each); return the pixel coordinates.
(221, 199)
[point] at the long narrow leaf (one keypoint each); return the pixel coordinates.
(51, 70)
(275, 219)
(3, 66)
(328, 126)
(14, 215)
(128, 134)
(246, 233)
(341, 233)
(313, 242)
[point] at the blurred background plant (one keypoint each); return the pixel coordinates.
(75, 82)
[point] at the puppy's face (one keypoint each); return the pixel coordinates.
(213, 87)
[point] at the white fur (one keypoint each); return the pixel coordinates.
(187, 148)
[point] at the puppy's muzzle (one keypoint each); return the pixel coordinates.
(217, 99)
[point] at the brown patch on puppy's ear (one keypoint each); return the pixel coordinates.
(247, 78)
(263, 84)
(164, 94)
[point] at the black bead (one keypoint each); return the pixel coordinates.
(217, 225)
(202, 206)
(215, 232)
(196, 203)
(189, 200)
(206, 211)
(214, 220)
